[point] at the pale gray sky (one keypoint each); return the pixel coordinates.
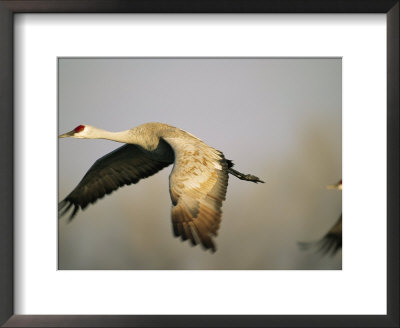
(279, 119)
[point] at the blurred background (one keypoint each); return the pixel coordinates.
(279, 119)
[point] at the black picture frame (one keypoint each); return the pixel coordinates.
(10, 7)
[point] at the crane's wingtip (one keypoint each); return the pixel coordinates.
(330, 244)
(323, 246)
(64, 206)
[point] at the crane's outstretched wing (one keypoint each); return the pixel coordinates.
(331, 243)
(198, 185)
(123, 166)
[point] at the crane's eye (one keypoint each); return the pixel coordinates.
(79, 128)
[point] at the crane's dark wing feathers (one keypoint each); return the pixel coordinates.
(331, 243)
(123, 166)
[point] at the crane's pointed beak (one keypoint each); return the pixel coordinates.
(68, 134)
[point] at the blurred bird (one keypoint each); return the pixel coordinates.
(197, 183)
(331, 243)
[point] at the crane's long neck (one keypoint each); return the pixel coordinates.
(122, 136)
(127, 136)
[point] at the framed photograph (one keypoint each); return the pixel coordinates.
(292, 96)
(290, 99)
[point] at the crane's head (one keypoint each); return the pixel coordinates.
(81, 131)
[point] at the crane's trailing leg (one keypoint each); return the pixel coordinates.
(242, 176)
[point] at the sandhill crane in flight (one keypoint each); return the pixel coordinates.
(197, 183)
(332, 241)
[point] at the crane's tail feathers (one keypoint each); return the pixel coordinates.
(229, 162)
(242, 176)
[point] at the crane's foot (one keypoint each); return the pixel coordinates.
(246, 177)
